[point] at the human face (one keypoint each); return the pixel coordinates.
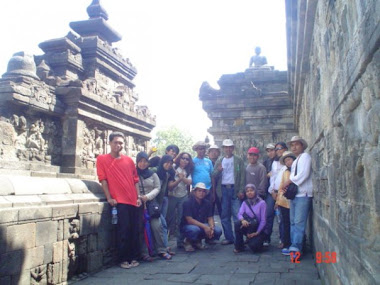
(213, 154)
(297, 148)
(271, 153)
(172, 153)
(288, 161)
(168, 165)
(279, 150)
(184, 161)
(201, 151)
(143, 164)
(116, 146)
(200, 193)
(252, 158)
(250, 193)
(228, 150)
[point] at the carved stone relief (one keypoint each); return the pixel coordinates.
(38, 275)
(94, 144)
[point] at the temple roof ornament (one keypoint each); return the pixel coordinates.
(95, 10)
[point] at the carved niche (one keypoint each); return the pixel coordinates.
(94, 144)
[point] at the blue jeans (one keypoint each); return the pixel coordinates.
(194, 233)
(230, 208)
(299, 211)
(270, 216)
(164, 210)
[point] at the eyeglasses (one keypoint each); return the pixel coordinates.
(278, 148)
(185, 158)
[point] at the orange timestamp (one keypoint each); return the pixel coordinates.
(320, 257)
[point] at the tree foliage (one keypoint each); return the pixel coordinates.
(173, 135)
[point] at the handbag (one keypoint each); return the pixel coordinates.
(152, 206)
(253, 221)
(292, 189)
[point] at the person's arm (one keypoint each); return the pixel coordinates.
(263, 181)
(106, 191)
(217, 170)
(191, 221)
(242, 178)
(138, 202)
(156, 188)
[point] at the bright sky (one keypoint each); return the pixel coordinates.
(175, 44)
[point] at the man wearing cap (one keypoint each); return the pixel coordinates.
(271, 153)
(213, 154)
(255, 172)
(202, 166)
(229, 172)
(275, 180)
(197, 220)
(301, 175)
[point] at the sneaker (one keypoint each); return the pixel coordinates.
(266, 243)
(285, 251)
(188, 246)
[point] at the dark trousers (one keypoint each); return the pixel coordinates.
(285, 214)
(127, 232)
(255, 243)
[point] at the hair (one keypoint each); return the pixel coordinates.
(172, 147)
(116, 134)
(154, 161)
(283, 144)
(190, 166)
(161, 172)
(141, 155)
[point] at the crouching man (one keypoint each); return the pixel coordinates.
(197, 219)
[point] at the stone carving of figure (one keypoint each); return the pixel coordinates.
(38, 275)
(74, 229)
(257, 59)
(35, 139)
(98, 142)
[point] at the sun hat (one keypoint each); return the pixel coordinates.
(214, 146)
(199, 144)
(270, 146)
(228, 142)
(298, 139)
(285, 155)
(254, 150)
(200, 185)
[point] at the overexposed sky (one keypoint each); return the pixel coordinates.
(174, 44)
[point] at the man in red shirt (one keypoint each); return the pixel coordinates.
(118, 175)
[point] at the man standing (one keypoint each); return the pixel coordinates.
(275, 180)
(202, 166)
(118, 176)
(301, 175)
(213, 154)
(256, 173)
(197, 220)
(229, 172)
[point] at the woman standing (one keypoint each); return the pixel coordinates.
(178, 192)
(149, 188)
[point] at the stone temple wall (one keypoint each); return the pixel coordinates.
(334, 73)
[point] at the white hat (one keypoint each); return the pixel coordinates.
(228, 142)
(214, 146)
(200, 185)
(298, 139)
(270, 146)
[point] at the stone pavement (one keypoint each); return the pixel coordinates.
(215, 265)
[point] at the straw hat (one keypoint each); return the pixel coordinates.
(298, 139)
(285, 155)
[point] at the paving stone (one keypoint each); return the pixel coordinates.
(184, 278)
(183, 267)
(21, 236)
(242, 278)
(260, 277)
(268, 269)
(300, 276)
(219, 279)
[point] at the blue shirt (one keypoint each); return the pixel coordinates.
(202, 171)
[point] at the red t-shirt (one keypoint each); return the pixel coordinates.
(121, 176)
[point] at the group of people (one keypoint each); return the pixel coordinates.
(187, 190)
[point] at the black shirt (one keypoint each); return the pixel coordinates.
(200, 212)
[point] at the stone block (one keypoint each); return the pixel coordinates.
(35, 213)
(60, 230)
(92, 243)
(77, 186)
(54, 273)
(24, 201)
(84, 198)
(48, 253)
(6, 186)
(8, 216)
(13, 264)
(88, 208)
(94, 261)
(64, 212)
(87, 224)
(93, 186)
(3, 240)
(46, 232)
(6, 280)
(105, 239)
(33, 257)
(22, 278)
(57, 251)
(37, 185)
(104, 207)
(4, 203)
(66, 229)
(55, 199)
(21, 237)
(65, 270)
(65, 249)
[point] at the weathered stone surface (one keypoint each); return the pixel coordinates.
(65, 211)
(21, 237)
(94, 261)
(46, 232)
(6, 186)
(29, 185)
(88, 208)
(33, 257)
(24, 201)
(13, 264)
(57, 251)
(8, 216)
(35, 213)
(77, 186)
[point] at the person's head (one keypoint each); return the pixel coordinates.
(185, 161)
(200, 149)
(287, 158)
(142, 160)
(172, 150)
(154, 161)
(116, 141)
(250, 191)
(297, 145)
(253, 155)
(257, 50)
(270, 150)
(213, 152)
(280, 148)
(228, 147)
(166, 162)
(200, 191)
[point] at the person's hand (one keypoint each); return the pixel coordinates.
(209, 232)
(244, 223)
(252, 235)
(287, 183)
(240, 195)
(181, 176)
(144, 198)
(274, 196)
(112, 202)
(269, 174)
(220, 168)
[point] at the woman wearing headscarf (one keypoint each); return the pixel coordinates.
(149, 188)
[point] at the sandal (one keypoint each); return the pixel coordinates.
(170, 251)
(147, 258)
(237, 250)
(165, 256)
(134, 263)
(125, 265)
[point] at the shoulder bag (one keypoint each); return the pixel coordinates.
(292, 189)
(152, 206)
(253, 222)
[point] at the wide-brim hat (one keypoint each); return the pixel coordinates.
(200, 144)
(228, 142)
(285, 155)
(298, 139)
(214, 146)
(270, 146)
(200, 185)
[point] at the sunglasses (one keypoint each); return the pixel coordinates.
(185, 158)
(278, 148)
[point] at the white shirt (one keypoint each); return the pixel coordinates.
(276, 167)
(303, 179)
(277, 181)
(228, 170)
